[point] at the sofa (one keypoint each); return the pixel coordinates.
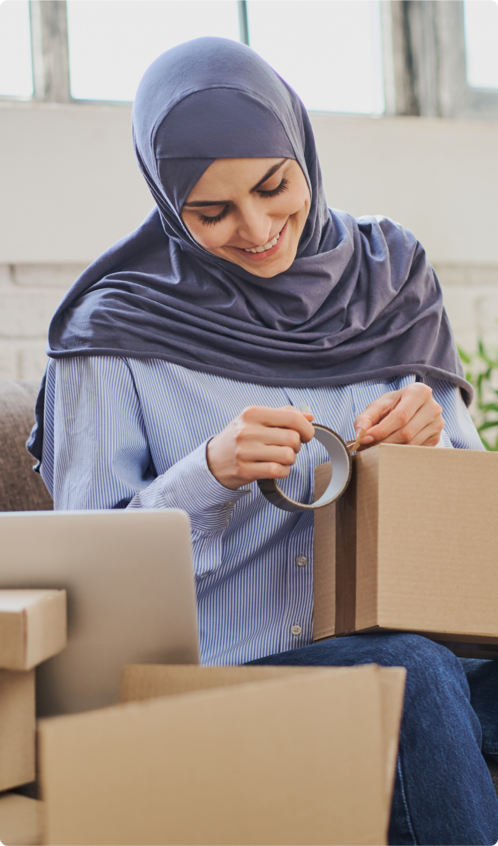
(20, 488)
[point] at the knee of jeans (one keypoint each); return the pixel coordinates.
(412, 650)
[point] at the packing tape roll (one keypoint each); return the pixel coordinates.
(340, 458)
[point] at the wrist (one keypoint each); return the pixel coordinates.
(215, 467)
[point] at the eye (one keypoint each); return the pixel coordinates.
(276, 191)
(208, 221)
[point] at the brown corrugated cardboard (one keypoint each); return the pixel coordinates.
(19, 820)
(323, 562)
(284, 758)
(32, 627)
(413, 547)
(147, 681)
(17, 728)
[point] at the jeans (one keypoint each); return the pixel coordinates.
(443, 792)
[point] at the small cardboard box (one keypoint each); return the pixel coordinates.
(229, 755)
(19, 820)
(412, 546)
(32, 627)
(17, 728)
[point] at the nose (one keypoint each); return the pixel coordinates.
(254, 228)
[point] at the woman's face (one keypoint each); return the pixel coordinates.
(250, 211)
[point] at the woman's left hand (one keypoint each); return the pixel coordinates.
(408, 416)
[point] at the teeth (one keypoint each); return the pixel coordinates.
(267, 246)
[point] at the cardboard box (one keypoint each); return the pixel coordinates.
(32, 627)
(234, 755)
(412, 546)
(17, 728)
(20, 823)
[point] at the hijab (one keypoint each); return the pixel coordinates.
(359, 302)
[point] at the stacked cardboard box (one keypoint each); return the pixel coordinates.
(227, 755)
(412, 546)
(32, 629)
(20, 820)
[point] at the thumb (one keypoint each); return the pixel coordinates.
(376, 411)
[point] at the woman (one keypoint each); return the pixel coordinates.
(190, 359)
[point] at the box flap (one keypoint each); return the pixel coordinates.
(297, 760)
(149, 681)
(393, 681)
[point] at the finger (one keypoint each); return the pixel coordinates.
(425, 419)
(266, 470)
(282, 418)
(273, 436)
(376, 411)
(430, 435)
(402, 415)
(258, 452)
(432, 441)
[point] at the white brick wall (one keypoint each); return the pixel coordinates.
(471, 299)
(30, 293)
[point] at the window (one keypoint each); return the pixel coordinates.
(338, 66)
(112, 42)
(481, 42)
(329, 52)
(16, 75)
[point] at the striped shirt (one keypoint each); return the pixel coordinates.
(127, 430)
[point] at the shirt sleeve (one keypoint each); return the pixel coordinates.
(459, 430)
(96, 452)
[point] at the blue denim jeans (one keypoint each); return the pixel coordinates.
(443, 793)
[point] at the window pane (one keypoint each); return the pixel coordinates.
(16, 76)
(329, 51)
(481, 36)
(112, 42)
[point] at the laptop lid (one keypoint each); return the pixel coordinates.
(131, 595)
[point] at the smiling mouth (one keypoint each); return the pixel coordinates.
(267, 250)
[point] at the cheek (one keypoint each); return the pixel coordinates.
(209, 237)
(295, 201)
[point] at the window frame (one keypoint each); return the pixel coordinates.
(425, 67)
(423, 53)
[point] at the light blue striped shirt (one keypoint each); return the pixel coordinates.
(119, 429)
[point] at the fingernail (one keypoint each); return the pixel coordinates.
(358, 431)
(367, 439)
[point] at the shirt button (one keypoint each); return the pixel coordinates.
(301, 560)
(305, 409)
(296, 630)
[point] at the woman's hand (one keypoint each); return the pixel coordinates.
(261, 443)
(408, 416)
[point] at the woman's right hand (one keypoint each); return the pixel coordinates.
(261, 443)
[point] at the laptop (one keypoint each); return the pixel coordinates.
(130, 589)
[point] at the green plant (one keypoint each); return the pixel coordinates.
(482, 372)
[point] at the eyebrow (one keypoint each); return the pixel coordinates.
(270, 172)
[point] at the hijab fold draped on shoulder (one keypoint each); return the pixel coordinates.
(359, 302)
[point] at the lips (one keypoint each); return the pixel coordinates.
(263, 252)
(265, 247)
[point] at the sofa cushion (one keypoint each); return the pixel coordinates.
(20, 488)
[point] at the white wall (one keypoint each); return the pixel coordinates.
(70, 187)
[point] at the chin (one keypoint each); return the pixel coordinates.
(267, 273)
(270, 270)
